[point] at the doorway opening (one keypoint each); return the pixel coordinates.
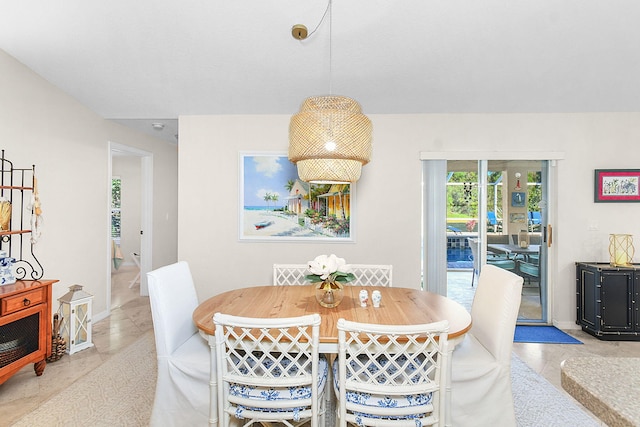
(134, 168)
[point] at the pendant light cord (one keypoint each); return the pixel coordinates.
(328, 10)
(330, 46)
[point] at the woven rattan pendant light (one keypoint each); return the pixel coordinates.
(330, 138)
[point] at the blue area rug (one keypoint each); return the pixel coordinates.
(543, 335)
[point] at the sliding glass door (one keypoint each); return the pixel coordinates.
(479, 212)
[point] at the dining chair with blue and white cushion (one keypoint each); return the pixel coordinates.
(390, 375)
(269, 370)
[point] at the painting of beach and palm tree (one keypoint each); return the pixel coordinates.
(276, 205)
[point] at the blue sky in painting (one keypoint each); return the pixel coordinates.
(266, 173)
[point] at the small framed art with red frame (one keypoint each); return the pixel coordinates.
(617, 185)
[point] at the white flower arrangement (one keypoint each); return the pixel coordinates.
(329, 270)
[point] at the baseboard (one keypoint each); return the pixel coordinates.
(565, 325)
(100, 316)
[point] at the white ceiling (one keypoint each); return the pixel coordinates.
(145, 61)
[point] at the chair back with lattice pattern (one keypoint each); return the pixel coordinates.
(365, 274)
(269, 369)
(371, 275)
(290, 274)
(390, 375)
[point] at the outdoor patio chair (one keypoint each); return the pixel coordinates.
(535, 220)
(494, 221)
(454, 229)
(530, 272)
(498, 260)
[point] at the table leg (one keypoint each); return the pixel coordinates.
(330, 396)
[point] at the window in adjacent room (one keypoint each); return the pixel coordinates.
(116, 184)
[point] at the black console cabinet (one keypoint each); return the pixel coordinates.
(607, 300)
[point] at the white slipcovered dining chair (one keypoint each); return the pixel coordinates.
(365, 274)
(269, 370)
(182, 387)
(481, 363)
(391, 375)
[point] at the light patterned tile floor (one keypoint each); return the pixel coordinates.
(131, 317)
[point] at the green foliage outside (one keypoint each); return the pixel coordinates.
(462, 194)
(116, 184)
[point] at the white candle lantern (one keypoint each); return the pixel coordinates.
(621, 250)
(75, 311)
(523, 238)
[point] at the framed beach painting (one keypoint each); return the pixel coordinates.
(517, 218)
(275, 205)
(616, 185)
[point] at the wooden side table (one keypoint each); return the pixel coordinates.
(25, 326)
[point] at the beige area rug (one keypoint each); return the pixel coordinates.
(120, 393)
(538, 403)
(117, 393)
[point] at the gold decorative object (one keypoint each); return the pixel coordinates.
(621, 250)
(5, 215)
(329, 294)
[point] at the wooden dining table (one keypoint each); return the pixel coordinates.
(399, 306)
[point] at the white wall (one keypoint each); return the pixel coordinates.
(389, 194)
(68, 143)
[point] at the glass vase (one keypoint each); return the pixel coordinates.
(329, 294)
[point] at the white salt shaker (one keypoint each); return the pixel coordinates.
(364, 298)
(376, 297)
